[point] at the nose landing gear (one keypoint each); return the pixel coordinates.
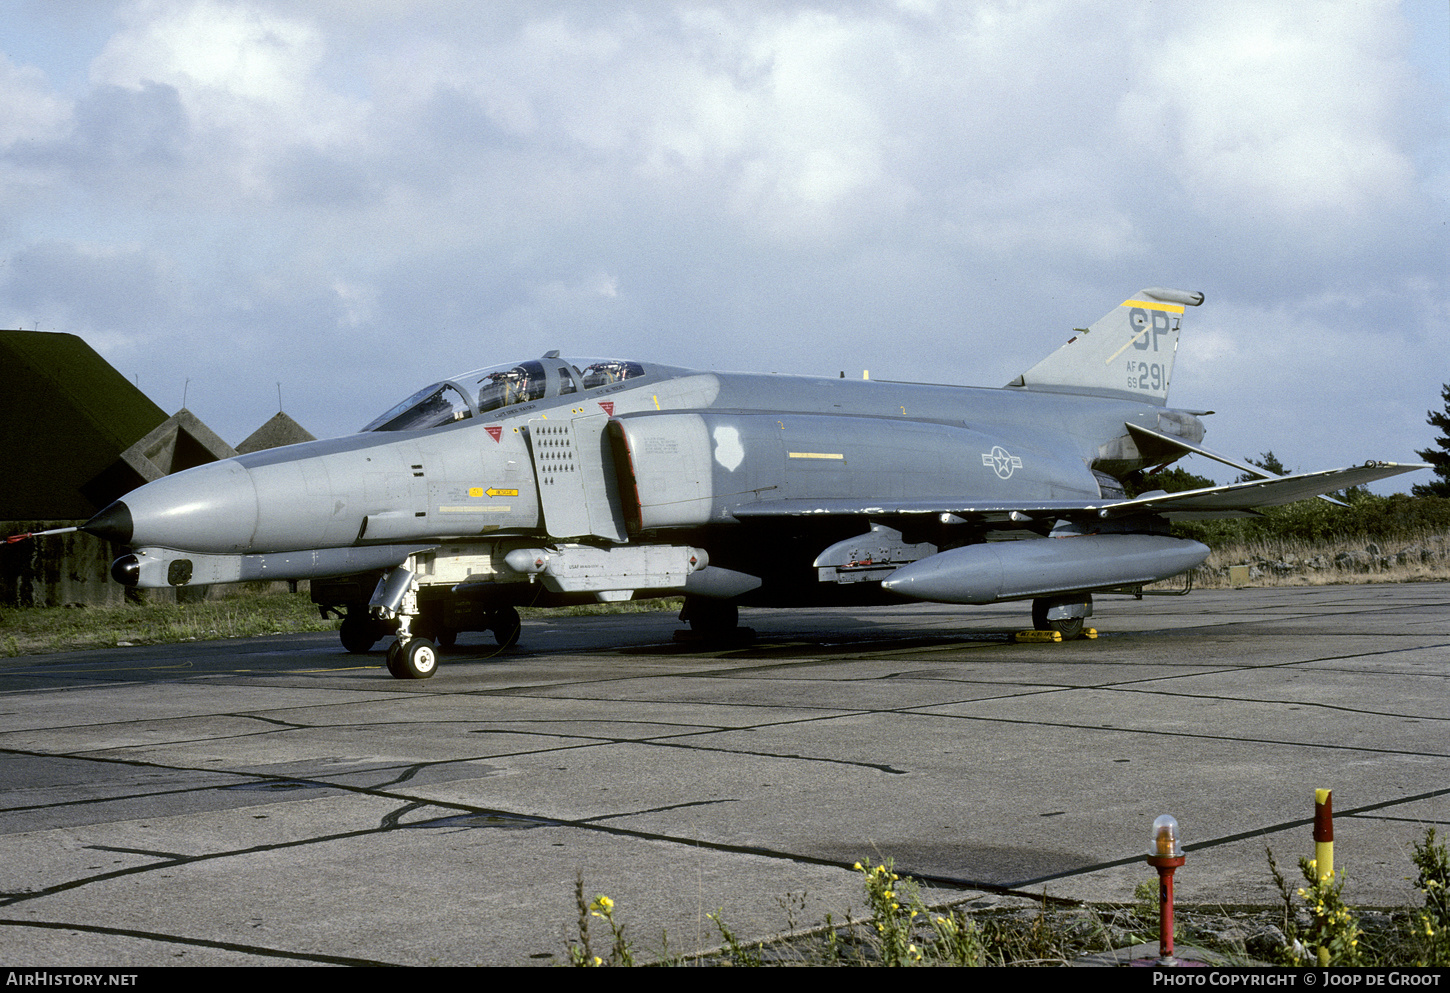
(416, 658)
(413, 655)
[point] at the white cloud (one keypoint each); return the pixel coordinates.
(118, 292)
(29, 110)
(933, 190)
(199, 45)
(247, 76)
(1277, 111)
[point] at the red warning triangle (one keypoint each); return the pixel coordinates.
(496, 430)
(607, 407)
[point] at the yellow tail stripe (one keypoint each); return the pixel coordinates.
(1171, 308)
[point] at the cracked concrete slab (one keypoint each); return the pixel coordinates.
(277, 800)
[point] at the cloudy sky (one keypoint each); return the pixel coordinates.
(353, 198)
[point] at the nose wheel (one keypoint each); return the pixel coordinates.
(416, 658)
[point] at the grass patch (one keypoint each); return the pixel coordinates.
(1270, 561)
(900, 930)
(239, 612)
(40, 630)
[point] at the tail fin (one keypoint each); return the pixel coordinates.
(1128, 353)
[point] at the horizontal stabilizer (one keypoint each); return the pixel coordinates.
(1216, 501)
(1148, 440)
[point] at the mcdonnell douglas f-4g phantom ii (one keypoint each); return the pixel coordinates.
(554, 481)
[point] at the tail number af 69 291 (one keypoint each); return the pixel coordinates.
(1146, 376)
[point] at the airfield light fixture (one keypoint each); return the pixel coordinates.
(1165, 854)
(1165, 836)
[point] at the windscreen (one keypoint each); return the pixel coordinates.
(499, 386)
(430, 407)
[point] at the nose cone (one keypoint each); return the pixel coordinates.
(112, 524)
(212, 508)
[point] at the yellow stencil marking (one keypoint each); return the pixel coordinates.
(815, 455)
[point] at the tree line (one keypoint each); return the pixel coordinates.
(1368, 516)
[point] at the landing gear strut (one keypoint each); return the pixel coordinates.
(413, 655)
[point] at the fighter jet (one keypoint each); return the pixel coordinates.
(558, 480)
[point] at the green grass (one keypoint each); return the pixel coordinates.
(900, 930)
(246, 614)
(40, 630)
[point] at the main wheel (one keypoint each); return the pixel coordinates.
(357, 632)
(505, 625)
(1068, 627)
(711, 618)
(418, 659)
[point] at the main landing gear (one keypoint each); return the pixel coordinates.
(505, 625)
(359, 631)
(712, 620)
(1063, 614)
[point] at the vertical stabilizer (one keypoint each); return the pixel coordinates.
(1128, 353)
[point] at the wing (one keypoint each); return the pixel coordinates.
(1235, 500)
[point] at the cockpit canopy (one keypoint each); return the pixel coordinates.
(482, 390)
